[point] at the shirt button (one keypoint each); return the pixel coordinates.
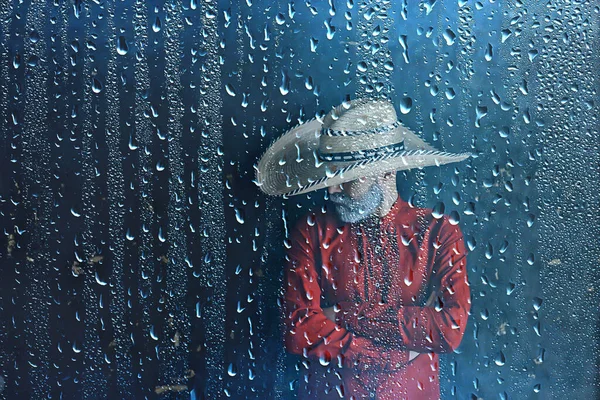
(372, 395)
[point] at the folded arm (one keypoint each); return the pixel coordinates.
(437, 326)
(308, 330)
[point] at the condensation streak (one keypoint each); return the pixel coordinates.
(37, 197)
(143, 145)
(270, 270)
(372, 31)
(116, 228)
(62, 83)
(273, 230)
(464, 62)
(176, 332)
(524, 243)
(569, 178)
(210, 199)
(93, 383)
(5, 23)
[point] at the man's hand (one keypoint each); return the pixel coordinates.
(331, 315)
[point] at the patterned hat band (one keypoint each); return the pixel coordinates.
(380, 130)
(361, 154)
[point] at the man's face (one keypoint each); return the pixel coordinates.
(357, 199)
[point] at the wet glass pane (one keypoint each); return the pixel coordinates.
(299, 200)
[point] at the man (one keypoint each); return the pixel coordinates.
(374, 288)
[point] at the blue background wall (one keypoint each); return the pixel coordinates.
(140, 260)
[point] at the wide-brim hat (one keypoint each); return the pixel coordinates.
(358, 138)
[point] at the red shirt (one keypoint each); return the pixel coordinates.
(379, 274)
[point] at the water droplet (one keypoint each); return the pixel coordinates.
(449, 36)
(100, 281)
(530, 259)
(239, 216)
(471, 243)
(485, 314)
(156, 26)
(330, 29)
(161, 235)
(537, 328)
(510, 288)
(284, 88)
(470, 208)
(153, 334)
(33, 61)
(540, 357)
(34, 37)
(429, 4)
(530, 220)
(132, 145)
(362, 66)
(76, 348)
(405, 105)
(480, 112)
(532, 54)
(506, 33)
(438, 210)
(489, 251)
(454, 218)
(523, 87)
(230, 89)
(489, 53)
(500, 360)
(96, 86)
(313, 45)
(122, 47)
(325, 359)
(16, 61)
(231, 370)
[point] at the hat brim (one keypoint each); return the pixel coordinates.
(290, 166)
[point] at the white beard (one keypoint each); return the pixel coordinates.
(354, 210)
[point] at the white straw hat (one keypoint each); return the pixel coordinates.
(357, 138)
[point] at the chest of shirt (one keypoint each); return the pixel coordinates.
(365, 265)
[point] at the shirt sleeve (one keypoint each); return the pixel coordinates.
(440, 327)
(308, 331)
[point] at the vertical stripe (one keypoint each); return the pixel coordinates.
(565, 84)
(7, 353)
(176, 329)
(141, 142)
(93, 380)
(210, 200)
(38, 199)
(116, 198)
